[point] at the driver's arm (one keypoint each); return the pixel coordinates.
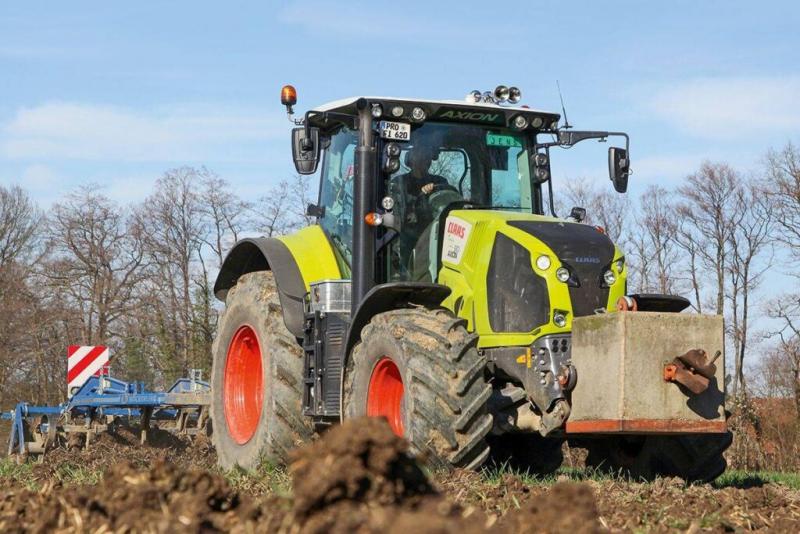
(432, 182)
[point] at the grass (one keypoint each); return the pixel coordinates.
(21, 473)
(749, 479)
(66, 473)
(267, 478)
(272, 479)
(493, 475)
(730, 479)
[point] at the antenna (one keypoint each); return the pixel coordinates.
(567, 125)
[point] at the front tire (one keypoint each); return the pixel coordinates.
(256, 378)
(420, 369)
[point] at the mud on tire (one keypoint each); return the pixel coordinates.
(444, 402)
(281, 427)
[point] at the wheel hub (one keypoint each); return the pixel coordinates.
(243, 385)
(385, 394)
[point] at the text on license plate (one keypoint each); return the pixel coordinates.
(398, 131)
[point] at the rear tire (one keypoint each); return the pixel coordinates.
(421, 370)
(694, 458)
(256, 420)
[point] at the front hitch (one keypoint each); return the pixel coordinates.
(692, 370)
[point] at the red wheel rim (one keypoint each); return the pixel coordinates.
(243, 385)
(385, 394)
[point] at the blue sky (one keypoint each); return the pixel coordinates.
(115, 93)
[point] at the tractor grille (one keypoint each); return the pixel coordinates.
(585, 251)
(517, 297)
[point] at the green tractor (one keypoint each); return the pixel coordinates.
(439, 290)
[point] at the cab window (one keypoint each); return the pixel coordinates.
(336, 191)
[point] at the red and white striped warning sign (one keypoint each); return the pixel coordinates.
(84, 362)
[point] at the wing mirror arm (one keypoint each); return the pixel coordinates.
(619, 163)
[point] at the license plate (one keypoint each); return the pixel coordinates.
(397, 131)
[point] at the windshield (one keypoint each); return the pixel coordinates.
(486, 166)
(446, 163)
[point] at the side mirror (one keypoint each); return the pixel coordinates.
(305, 150)
(618, 168)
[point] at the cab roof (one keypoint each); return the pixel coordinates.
(441, 110)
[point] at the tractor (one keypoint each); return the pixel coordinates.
(439, 290)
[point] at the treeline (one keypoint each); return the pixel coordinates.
(139, 277)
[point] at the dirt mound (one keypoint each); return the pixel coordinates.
(567, 507)
(360, 477)
(357, 461)
(164, 498)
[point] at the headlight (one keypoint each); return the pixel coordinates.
(501, 93)
(537, 122)
(387, 203)
(609, 277)
(562, 274)
(392, 150)
(559, 319)
(620, 264)
(418, 114)
(554, 125)
(520, 122)
(543, 262)
(474, 96)
(377, 110)
(397, 111)
(514, 95)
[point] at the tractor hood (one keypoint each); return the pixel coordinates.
(527, 269)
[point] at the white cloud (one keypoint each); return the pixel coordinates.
(106, 133)
(731, 108)
(38, 177)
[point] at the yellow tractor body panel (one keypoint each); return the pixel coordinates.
(465, 273)
(314, 255)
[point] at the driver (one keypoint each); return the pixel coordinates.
(418, 183)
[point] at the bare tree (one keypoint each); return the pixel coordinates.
(655, 251)
(97, 260)
(223, 211)
(692, 266)
(779, 372)
(283, 208)
(172, 224)
(708, 196)
(603, 208)
(783, 174)
(19, 221)
(272, 213)
(750, 239)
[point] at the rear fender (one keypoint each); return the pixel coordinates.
(296, 261)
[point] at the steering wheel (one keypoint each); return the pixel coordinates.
(442, 196)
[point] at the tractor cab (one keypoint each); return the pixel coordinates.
(427, 159)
